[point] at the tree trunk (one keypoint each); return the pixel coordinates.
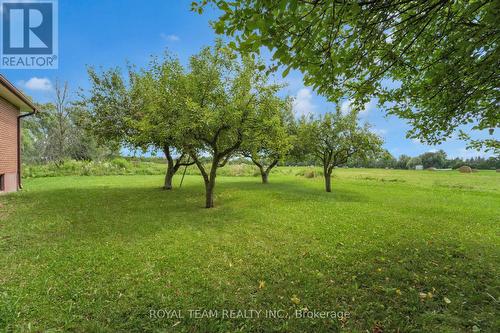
(328, 181)
(265, 176)
(170, 169)
(168, 179)
(209, 194)
(210, 185)
(264, 172)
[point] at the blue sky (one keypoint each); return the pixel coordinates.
(107, 33)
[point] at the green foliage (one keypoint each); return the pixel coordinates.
(224, 96)
(437, 159)
(272, 134)
(441, 56)
(56, 134)
(117, 166)
(111, 249)
(333, 139)
(121, 163)
(144, 112)
(110, 106)
(159, 93)
(402, 162)
(413, 162)
(434, 159)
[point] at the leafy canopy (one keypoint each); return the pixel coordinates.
(224, 95)
(143, 110)
(110, 106)
(272, 136)
(333, 139)
(435, 61)
(159, 91)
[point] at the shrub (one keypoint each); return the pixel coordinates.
(237, 170)
(121, 163)
(117, 166)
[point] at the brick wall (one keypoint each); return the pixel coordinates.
(8, 144)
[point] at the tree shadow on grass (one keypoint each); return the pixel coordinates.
(297, 190)
(133, 212)
(403, 288)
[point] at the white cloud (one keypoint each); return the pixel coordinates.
(368, 106)
(416, 141)
(302, 103)
(170, 38)
(379, 131)
(346, 107)
(37, 84)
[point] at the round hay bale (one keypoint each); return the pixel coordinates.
(465, 169)
(310, 174)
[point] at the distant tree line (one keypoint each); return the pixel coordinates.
(61, 132)
(438, 160)
(384, 159)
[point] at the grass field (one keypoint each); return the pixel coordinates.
(387, 250)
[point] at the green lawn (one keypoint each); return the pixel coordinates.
(408, 250)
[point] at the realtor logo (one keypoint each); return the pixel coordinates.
(29, 34)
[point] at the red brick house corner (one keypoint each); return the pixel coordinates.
(14, 105)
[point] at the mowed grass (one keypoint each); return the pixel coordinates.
(389, 250)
